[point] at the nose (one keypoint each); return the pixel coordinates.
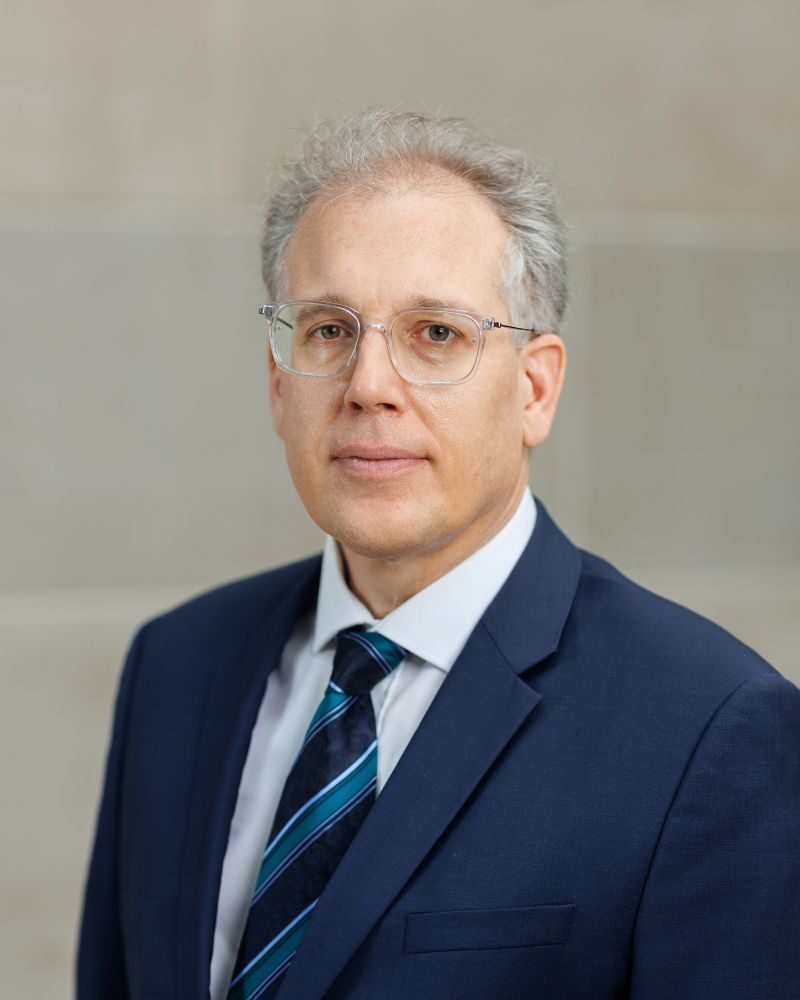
(374, 384)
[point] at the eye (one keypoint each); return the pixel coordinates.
(330, 331)
(438, 333)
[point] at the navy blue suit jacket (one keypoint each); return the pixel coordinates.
(603, 801)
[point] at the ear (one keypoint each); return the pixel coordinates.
(276, 377)
(543, 363)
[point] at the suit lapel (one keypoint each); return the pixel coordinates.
(478, 709)
(233, 698)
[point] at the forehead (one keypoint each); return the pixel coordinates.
(436, 237)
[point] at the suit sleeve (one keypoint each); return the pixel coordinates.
(101, 960)
(719, 917)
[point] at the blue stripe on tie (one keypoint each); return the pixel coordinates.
(332, 795)
(321, 720)
(330, 700)
(391, 651)
(273, 976)
(376, 655)
(387, 654)
(325, 714)
(315, 834)
(276, 953)
(313, 826)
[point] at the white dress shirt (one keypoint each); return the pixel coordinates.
(433, 626)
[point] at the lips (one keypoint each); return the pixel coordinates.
(376, 452)
(376, 461)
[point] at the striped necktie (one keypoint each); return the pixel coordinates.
(327, 795)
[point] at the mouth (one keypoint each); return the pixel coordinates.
(376, 461)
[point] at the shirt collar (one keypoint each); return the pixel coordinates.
(435, 623)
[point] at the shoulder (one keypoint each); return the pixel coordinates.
(235, 607)
(645, 639)
(648, 681)
(175, 654)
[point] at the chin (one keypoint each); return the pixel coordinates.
(383, 544)
(385, 535)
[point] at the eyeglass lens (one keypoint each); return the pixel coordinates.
(428, 344)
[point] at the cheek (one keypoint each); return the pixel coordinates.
(479, 434)
(306, 412)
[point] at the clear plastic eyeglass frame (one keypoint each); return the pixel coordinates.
(483, 323)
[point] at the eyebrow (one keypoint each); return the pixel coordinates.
(413, 302)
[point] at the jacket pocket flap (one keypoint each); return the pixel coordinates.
(458, 930)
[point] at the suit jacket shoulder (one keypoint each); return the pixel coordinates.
(653, 637)
(237, 604)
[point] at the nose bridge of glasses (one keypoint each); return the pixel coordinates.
(380, 328)
(373, 324)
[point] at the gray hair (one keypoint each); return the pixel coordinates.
(364, 148)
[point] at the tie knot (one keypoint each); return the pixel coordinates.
(363, 659)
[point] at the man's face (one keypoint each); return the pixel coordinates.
(392, 470)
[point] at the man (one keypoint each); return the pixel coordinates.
(456, 757)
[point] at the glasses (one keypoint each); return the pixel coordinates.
(426, 346)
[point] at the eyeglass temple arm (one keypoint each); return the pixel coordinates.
(269, 312)
(522, 329)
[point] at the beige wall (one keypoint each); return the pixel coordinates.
(138, 464)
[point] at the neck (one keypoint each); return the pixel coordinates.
(384, 584)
